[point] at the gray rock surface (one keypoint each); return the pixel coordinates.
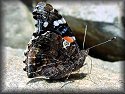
(17, 23)
(104, 77)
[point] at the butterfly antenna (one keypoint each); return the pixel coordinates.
(84, 37)
(102, 43)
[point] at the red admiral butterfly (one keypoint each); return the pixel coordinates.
(53, 51)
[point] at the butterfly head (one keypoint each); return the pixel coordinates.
(42, 9)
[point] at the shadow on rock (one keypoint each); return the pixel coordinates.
(72, 77)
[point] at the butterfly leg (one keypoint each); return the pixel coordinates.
(66, 80)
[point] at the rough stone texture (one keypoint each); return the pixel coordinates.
(17, 23)
(104, 77)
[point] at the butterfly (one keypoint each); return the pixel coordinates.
(52, 51)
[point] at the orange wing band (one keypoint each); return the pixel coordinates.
(69, 39)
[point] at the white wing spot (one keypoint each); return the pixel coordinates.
(45, 24)
(65, 44)
(56, 23)
(60, 22)
(74, 38)
(63, 20)
(32, 38)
